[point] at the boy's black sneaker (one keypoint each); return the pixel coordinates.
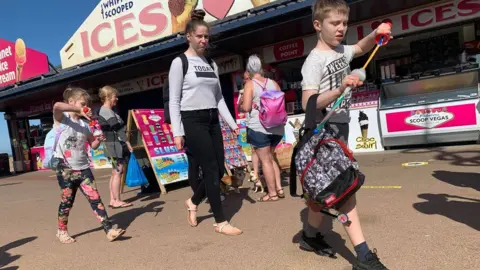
(372, 263)
(316, 244)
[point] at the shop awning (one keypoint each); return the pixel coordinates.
(276, 13)
(253, 16)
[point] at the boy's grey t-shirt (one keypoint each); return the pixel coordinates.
(199, 90)
(325, 71)
(72, 143)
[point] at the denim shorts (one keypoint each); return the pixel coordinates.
(260, 140)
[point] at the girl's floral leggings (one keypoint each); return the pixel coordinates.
(70, 181)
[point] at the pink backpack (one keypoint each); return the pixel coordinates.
(272, 111)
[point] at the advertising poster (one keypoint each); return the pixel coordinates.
(435, 117)
(234, 155)
(115, 26)
(38, 155)
(158, 138)
(364, 131)
(100, 161)
(171, 168)
(294, 123)
(19, 63)
(242, 139)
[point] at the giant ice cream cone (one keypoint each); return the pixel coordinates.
(181, 10)
(20, 57)
(363, 122)
(257, 3)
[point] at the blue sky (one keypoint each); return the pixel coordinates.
(45, 26)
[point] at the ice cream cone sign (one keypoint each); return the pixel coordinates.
(181, 11)
(257, 3)
(20, 57)
(363, 122)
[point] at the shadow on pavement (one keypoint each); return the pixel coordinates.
(332, 238)
(6, 258)
(125, 218)
(465, 211)
(459, 179)
(10, 184)
(456, 158)
(234, 201)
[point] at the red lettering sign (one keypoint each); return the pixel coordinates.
(101, 39)
(289, 49)
(445, 13)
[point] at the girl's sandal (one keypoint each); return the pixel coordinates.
(220, 229)
(64, 237)
(113, 234)
(269, 198)
(189, 220)
(281, 195)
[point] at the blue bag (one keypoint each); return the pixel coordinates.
(135, 176)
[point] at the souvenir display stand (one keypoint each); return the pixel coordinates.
(235, 157)
(147, 131)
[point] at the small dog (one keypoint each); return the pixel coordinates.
(258, 182)
(233, 182)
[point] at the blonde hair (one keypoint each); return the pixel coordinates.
(107, 92)
(321, 8)
(75, 93)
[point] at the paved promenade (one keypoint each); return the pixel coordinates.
(424, 217)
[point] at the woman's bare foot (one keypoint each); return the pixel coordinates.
(227, 229)
(64, 237)
(191, 213)
(120, 204)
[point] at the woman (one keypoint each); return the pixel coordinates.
(264, 141)
(254, 176)
(195, 102)
(118, 149)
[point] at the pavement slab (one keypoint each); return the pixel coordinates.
(423, 217)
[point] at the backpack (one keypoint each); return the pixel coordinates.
(50, 145)
(272, 111)
(329, 174)
(166, 93)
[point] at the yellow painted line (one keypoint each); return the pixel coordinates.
(383, 187)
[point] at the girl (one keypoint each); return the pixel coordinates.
(72, 163)
(264, 141)
(195, 102)
(118, 148)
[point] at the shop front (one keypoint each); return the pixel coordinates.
(428, 75)
(131, 50)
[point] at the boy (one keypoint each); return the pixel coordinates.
(325, 71)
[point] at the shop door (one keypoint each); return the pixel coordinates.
(227, 91)
(152, 99)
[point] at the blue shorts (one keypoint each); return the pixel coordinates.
(260, 140)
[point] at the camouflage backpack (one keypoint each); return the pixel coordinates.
(328, 172)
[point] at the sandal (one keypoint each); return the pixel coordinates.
(219, 229)
(113, 234)
(189, 210)
(64, 237)
(123, 205)
(281, 195)
(269, 198)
